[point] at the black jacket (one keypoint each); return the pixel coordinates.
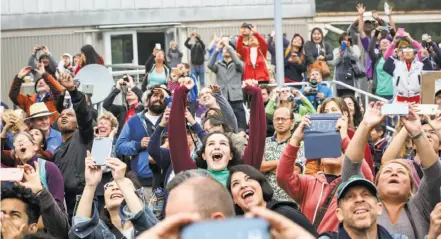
(342, 234)
(120, 111)
(291, 211)
(69, 156)
(197, 51)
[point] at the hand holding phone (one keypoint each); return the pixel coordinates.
(158, 46)
(11, 174)
(101, 150)
(400, 32)
(343, 46)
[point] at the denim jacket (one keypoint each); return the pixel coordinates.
(95, 228)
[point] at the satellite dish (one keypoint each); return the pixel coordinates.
(95, 80)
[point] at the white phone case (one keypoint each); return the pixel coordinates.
(427, 109)
(395, 109)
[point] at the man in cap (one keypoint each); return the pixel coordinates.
(135, 135)
(46, 88)
(358, 208)
(39, 118)
(406, 68)
(132, 104)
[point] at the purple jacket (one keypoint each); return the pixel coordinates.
(368, 62)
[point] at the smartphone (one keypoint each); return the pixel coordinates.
(11, 174)
(395, 109)
(158, 46)
(427, 109)
(234, 228)
(400, 32)
(367, 14)
(87, 88)
(169, 105)
(101, 149)
(343, 46)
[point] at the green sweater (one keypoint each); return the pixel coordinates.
(305, 108)
(220, 176)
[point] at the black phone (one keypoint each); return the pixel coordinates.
(126, 78)
(233, 228)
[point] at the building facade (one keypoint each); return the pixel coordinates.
(126, 31)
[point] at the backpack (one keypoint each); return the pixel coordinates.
(43, 176)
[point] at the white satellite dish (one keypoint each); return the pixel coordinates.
(96, 80)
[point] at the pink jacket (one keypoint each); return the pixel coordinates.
(309, 191)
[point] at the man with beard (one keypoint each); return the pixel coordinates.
(76, 130)
(135, 137)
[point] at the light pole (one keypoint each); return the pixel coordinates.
(280, 74)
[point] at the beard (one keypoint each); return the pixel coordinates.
(157, 109)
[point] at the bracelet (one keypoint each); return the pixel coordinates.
(417, 136)
(39, 192)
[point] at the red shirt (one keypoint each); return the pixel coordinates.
(408, 64)
(131, 112)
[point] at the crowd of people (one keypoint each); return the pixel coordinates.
(184, 151)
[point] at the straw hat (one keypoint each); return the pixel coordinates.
(38, 110)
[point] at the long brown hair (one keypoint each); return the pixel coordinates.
(341, 105)
(301, 52)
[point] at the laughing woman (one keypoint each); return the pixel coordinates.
(26, 152)
(250, 188)
(217, 153)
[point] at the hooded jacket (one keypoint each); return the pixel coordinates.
(258, 72)
(312, 50)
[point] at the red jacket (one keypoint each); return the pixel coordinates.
(25, 101)
(260, 71)
(311, 191)
(81, 66)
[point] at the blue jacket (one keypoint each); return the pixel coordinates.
(95, 228)
(129, 143)
(219, 57)
(193, 94)
(322, 88)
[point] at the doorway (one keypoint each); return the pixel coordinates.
(146, 42)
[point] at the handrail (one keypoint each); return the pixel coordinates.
(367, 94)
(125, 66)
(298, 83)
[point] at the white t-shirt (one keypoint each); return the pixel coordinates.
(253, 55)
(152, 118)
(127, 233)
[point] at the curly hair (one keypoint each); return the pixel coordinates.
(110, 117)
(237, 157)
(27, 197)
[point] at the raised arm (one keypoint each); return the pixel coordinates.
(92, 176)
(179, 151)
(200, 41)
(239, 64)
(393, 150)
(108, 102)
(212, 61)
(187, 43)
(361, 9)
(371, 48)
(293, 184)
(160, 155)
(253, 154)
(14, 92)
(54, 85)
(372, 118)
(263, 44)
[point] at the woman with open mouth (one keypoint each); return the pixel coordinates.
(217, 153)
(126, 211)
(250, 188)
(26, 152)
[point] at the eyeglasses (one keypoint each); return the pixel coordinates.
(281, 119)
(21, 142)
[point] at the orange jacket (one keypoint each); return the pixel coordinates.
(311, 191)
(260, 71)
(25, 101)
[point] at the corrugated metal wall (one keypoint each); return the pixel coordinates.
(17, 50)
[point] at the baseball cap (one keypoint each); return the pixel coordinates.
(356, 180)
